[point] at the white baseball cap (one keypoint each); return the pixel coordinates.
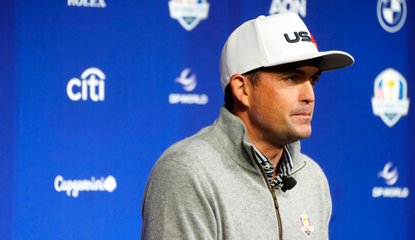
(274, 40)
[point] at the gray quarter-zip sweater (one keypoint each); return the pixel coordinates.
(210, 186)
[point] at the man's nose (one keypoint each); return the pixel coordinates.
(307, 92)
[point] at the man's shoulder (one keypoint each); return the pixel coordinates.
(302, 160)
(309, 161)
(191, 150)
(190, 160)
(311, 171)
(312, 165)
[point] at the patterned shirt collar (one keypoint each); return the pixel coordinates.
(284, 167)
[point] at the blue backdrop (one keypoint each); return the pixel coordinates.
(93, 91)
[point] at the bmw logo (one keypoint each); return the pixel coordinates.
(391, 14)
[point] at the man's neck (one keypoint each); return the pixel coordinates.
(272, 153)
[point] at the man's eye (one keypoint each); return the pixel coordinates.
(314, 80)
(292, 79)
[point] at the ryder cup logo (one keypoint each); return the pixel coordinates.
(188, 82)
(92, 78)
(391, 14)
(189, 12)
(306, 225)
(390, 176)
(296, 6)
(390, 101)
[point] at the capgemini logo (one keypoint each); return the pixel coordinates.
(190, 83)
(73, 187)
(390, 177)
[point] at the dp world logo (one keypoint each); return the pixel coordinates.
(189, 12)
(391, 14)
(391, 176)
(390, 101)
(188, 81)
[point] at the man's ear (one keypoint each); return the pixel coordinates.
(241, 87)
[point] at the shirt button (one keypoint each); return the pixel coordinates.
(266, 167)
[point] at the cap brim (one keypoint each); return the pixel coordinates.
(329, 60)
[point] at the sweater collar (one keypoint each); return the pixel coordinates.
(233, 136)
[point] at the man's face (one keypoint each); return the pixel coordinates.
(282, 103)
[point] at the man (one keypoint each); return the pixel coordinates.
(237, 178)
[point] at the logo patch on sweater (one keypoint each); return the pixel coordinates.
(306, 225)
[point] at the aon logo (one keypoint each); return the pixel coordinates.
(296, 6)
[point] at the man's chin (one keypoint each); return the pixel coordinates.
(302, 133)
(295, 136)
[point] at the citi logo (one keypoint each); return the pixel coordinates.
(73, 187)
(87, 3)
(92, 79)
(296, 6)
(390, 176)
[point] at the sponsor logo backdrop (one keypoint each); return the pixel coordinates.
(92, 92)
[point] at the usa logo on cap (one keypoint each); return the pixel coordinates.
(306, 225)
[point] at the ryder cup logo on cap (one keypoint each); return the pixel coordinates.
(189, 12)
(274, 40)
(391, 14)
(390, 101)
